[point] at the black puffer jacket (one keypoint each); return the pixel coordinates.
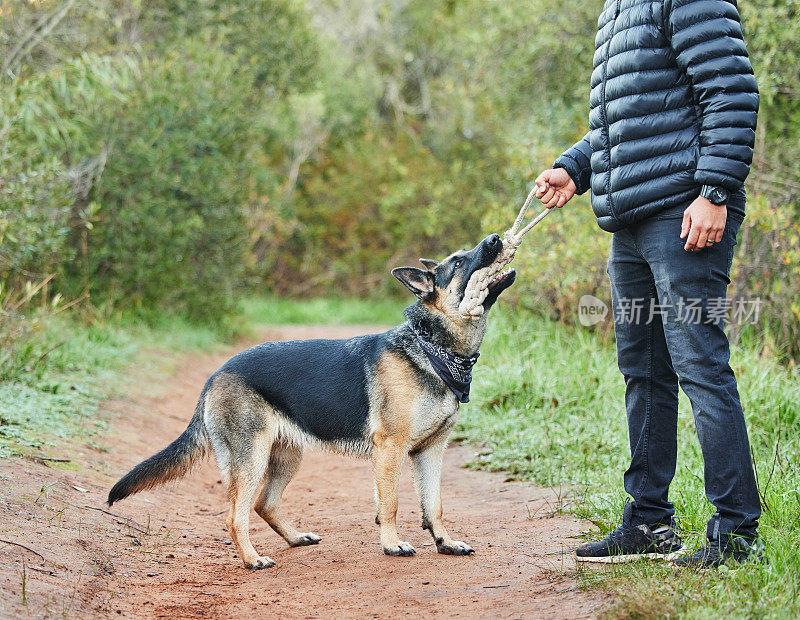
(673, 107)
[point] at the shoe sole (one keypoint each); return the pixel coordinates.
(628, 557)
(726, 567)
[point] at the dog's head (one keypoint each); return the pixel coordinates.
(441, 285)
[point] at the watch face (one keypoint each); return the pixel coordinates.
(718, 196)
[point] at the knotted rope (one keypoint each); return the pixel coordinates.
(478, 286)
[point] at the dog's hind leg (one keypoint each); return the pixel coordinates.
(284, 461)
(387, 460)
(241, 431)
(244, 478)
(427, 468)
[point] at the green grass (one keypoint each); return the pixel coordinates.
(548, 407)
(52, 383)
(54, 392)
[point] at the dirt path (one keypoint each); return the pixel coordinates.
(166, 553)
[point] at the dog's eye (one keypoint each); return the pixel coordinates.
(458, 262)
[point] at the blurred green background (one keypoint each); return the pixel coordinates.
(172, 156)
(173, 172)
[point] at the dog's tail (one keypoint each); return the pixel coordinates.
(172, 462)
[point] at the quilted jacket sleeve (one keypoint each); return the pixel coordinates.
(577, 162)
(706, 36)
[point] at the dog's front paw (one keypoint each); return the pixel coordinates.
(260, 562)
(400, 549)
(304, 540)
(454, 547)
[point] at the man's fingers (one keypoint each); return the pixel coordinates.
(686, 225)
(703, 225)
(702, 237)
(548, 195)
(694, 234)
(542, 182)
(554, 200)
(546, 189)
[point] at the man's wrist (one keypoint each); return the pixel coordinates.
(714, 194)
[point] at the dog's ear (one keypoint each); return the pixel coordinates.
(429, 263)
(418, 281)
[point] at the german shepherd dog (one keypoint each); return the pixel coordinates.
(376, 395)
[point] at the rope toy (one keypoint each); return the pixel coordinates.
(478, 286)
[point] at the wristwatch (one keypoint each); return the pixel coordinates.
(715, 195)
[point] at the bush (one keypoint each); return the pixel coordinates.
(48, 158)
(34, 221)
(169, 232)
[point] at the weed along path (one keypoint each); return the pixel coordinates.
(166, 554)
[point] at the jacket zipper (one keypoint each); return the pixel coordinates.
(606, 127)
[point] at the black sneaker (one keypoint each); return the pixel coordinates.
(629, 542)
(726, 550)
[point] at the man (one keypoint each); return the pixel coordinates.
(672, 127)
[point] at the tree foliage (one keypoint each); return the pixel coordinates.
(165, 155)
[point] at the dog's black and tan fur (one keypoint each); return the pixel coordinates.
(375, 395)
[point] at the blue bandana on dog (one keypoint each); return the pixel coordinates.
(454, 370)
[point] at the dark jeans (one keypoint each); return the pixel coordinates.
(679, 337)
